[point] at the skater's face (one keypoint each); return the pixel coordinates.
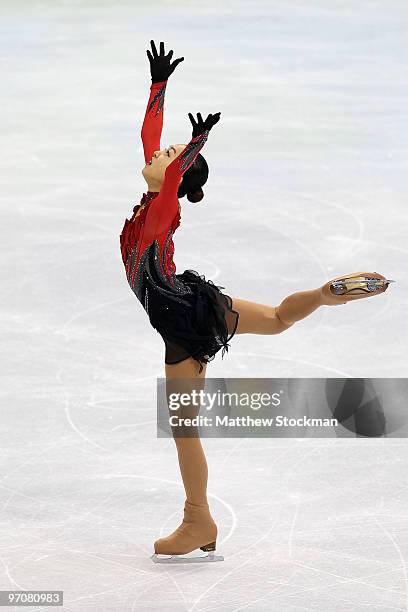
(155, 169)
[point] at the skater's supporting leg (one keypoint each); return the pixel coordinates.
(184, 377)
(198, 529)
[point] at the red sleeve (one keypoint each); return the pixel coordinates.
(153, 120)
(164, 207)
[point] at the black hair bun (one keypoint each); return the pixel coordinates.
(195, 196)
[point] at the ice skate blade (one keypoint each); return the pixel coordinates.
(188, 558)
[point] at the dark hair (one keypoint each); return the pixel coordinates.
(193, 179)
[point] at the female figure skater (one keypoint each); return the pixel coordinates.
(192, 315)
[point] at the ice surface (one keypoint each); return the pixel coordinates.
(308, 170)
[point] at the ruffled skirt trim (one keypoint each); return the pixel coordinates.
(197, 324)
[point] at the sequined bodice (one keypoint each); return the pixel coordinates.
(133, 231)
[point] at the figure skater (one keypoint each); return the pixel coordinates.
(193, 316)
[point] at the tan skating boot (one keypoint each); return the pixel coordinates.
(197, 531)
(358, 285)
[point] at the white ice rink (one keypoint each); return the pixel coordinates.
(308, 180)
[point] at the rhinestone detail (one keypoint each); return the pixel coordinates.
(159, 98)
(149, 272)
(187, 157)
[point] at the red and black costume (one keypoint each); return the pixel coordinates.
(194, 318)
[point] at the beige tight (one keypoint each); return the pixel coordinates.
(257, 318)
(191, 457)
(254, 318)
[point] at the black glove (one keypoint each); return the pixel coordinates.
(201, 126)
(160, 67)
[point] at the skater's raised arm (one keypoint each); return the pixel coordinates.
(175, 171)
(160, 69)
(164, 208)
(153, 120)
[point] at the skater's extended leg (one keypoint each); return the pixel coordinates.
(257, 318)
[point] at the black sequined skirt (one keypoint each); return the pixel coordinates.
(196, 324)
